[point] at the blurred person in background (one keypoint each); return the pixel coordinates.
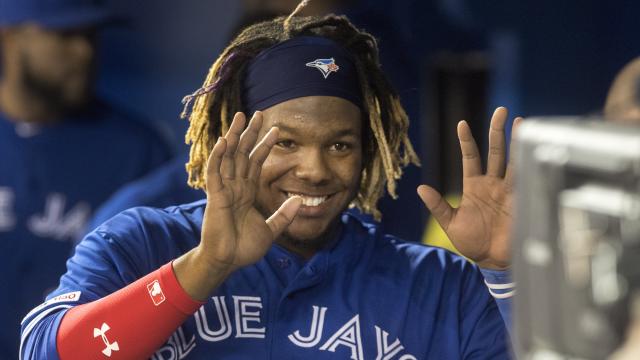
(62, 151)
(623, 100)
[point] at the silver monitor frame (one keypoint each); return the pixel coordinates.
(576, 236)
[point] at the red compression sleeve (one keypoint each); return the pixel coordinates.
(131, 323)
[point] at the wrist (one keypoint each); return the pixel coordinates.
(494, 265)
(199, 276)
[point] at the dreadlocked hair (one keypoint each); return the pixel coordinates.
(386, 146)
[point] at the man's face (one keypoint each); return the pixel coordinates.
(56, 64)
(318, 156)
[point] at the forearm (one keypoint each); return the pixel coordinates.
(131, 323)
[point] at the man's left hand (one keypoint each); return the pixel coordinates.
(480, 227)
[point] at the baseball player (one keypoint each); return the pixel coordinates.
(270, 265)
(62, 150)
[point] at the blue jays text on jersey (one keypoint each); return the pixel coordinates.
(365, 296)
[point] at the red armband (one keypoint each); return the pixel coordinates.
(131, 323)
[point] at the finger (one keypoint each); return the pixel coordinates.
(232, 137)
(246, 144)
(471, 165)
(437, 205)
(214, 180)
(260, 153)
(509, 176)
(283, 217)
(497, 143)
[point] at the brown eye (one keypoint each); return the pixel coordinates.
(285, 144)
(340, 147)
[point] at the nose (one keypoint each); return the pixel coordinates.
(312, 167)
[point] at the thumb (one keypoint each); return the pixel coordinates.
(280, 219)
(439, 208)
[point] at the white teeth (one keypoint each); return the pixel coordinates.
(310, 200)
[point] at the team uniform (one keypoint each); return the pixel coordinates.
(52, 177)
(367, 295)
(163, 187)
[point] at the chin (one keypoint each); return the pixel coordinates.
(308, 230)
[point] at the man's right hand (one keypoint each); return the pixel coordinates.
(234, 233)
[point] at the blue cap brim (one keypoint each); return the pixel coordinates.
(78, 18)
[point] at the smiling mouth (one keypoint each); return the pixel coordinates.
(308, 200)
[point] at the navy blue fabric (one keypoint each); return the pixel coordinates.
(286, 71)
(162, 188)
(370, 293)
(51, 180)
(54, 14)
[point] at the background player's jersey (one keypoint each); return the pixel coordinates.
(366, 296)
(52, 177)
(166, 186)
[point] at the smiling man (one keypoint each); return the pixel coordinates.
(318, 157)
(272, 265)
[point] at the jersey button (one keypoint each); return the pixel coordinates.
(312, 270)
(283, 263)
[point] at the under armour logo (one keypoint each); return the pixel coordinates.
(102, 333)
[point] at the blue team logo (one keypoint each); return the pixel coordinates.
(326, 66)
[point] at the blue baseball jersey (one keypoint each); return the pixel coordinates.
(367, 295)
(163, 187)
(52, 177)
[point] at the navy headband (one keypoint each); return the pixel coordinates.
(302, 66)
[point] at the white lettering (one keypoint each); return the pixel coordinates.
(7, 218)
(247, 311)
(349, 336)
(55, 223)
(167, 352)
(202, 324)
(176, 348)
(386, 351)
(184, 346)
(315, 334)
(244, 316)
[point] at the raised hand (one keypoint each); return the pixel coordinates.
(234, 233)
(480, 227)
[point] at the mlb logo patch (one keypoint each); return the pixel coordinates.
(155, 291)
(326, 66)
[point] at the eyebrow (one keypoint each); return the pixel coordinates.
(338, 133)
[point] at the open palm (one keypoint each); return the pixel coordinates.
(480, 227)
(234, 232)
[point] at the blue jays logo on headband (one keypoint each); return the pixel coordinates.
(326, 66)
